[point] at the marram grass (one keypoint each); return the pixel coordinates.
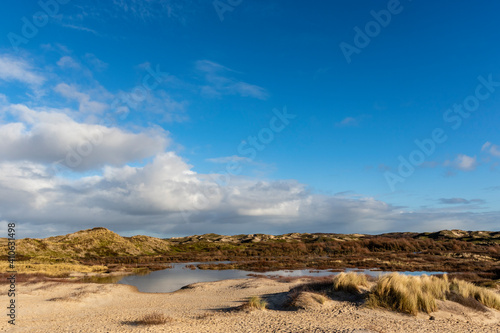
(350, 282)
(482, 295)
(413, 294)
(408, 294)
(257, 303)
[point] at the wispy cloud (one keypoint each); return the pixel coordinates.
(456, 201)
(229, 159)
(17, 69)
(68, 62)
(463, 162)
(351, 121)
(86, 104)
(492, 149)
(493, 188)
(220, 82)
(81, 28)
(95, 63)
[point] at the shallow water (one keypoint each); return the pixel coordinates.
(178, 276)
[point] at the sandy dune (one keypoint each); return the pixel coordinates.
(206, 307)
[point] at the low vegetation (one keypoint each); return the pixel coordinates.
(350, 282)
(398, 292)
(255, 303)
(469, 291)
(408, 294)
(54, 269)
(155, 318)
(413, 294)
(472, 255)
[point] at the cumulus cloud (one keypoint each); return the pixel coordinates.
(126, 180)
(46, 137)
(168, 188)
(167, 197)
(17, 69)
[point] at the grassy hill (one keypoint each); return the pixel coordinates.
(96, 242)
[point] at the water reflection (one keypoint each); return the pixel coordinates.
(180, 275)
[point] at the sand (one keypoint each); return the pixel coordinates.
(210, 307)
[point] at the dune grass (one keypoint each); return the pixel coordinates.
(480, 294)
(350, 282)
(408, 294)
(256, 303)
(413, 294)
(51, 269)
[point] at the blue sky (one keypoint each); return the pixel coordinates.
(170, 118)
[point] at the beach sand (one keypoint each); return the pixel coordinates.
(212, 307)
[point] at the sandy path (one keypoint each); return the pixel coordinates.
(52, 307)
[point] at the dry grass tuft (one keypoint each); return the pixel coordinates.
(155, 318)
(480, 294)
(51, 269)
(350, 282)
(466, 301)
(255, 303)
(413, 294)
(408, 294)
(321, 299)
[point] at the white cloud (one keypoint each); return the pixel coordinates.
(80, 28)
(352, 121)
(167, 197)
(492, 149)
(230, 159)
(348, 121)
(160, 103)
(84, 100)
(146, 10)
(16, 69)
(46, 137)
(67, 62)
(463, 162)
(95, 62)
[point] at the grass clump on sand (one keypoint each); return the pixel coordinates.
(408, 294)
(480, 294)
(256, 303)
(413, 294)
(154, 318)
(350, 282)
(398, 292)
